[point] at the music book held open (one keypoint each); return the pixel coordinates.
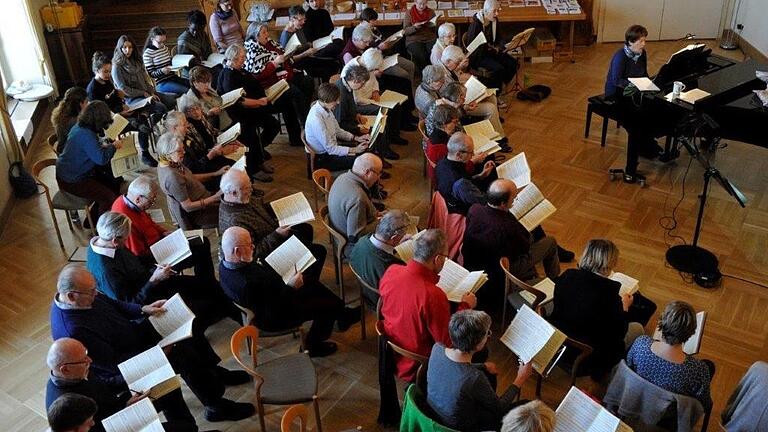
(413, 225)
(139, 417)
(395, 36)
(290, 258)
(171, 249)
(175, 324)
(546, 286)
(434, 19)
(388, 62)
(379, 123)
(141, 103)
(276, 90)
(532, 338)
(292, 45)
(150, 372)
(181, 61)
(229, 135)
(516, 169)
(389, 99)
(213, 60)
(693, 344)
(629, 285)
(126, 158)
(456, 281)
(406, 248)
(477, 91)
(476, 42)
(292, 210)
(240, 164)
(578, 412)
(116, 128)
(229, 98)
(484, 128)
(531, 208)
(156, 215)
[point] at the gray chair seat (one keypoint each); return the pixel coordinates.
(66, 201)
(288, 380)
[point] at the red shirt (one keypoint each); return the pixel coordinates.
(144, 231)
(416, 312)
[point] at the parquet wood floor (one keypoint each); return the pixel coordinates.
(570, 170)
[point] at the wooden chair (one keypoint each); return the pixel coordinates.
(432, 180)
(423, 131)
(311, 155)
(423, 361)
(323, 179)
(285, 380)
(572, 369)
(290, 415)
(247, 317)
(61, 200)
(52, 141)
(338, 243)
(509, 281)
(364, 286)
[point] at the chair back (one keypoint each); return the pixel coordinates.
(416, 413)
(464, 40)
(423, 131)
(241, 337)
(311, 155)
(423, 361)
(290, 415)
(339, 240)
(366, 286)
(511, 280)
(333, 78)
(247, 314)
(52, 143)
(323, 180)
(38, 167)
(453, 225)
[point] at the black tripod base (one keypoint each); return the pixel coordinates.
(697, 261)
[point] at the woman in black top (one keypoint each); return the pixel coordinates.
(491, 56)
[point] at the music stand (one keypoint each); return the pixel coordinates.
(516, 42)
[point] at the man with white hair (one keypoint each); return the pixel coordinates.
(114, 331)
(69, 364)
(459, 188)
(279, 305)
(350, 208)
(491, 56)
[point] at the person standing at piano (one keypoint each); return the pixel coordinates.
(631, 61)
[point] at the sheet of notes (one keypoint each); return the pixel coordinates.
(292, 210)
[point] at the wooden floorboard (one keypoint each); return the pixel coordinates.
(572, 173)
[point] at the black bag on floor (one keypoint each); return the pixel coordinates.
(24, 185)
(534, 93)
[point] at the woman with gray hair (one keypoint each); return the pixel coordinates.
(590, 308)
(362, 38)
(428, 92)
(460, 392)
(446, 36)
(534, 416)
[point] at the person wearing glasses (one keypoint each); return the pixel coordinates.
(460, 391)
(69, 364)
(459, 188)
(225, 26)
(114, 331)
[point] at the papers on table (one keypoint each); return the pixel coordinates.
(456, 281)
(181, 61)
(476, 42)
(171, 249)
(141, 103)
(546, 286)
(469, 13)
(432, 4)
(150, 372)
(691, 96)
(531, 208)
(644, 84)
(139, 417)
(393, 16)
(292, 45)
(126, 158)
(484, 128)
(290, 258)
(519, 39)
(629, 285)
(516, 169)
(292, 210)
(444, 5)
(229, 135)
(405, 249)
(347, 16)
(379, 123)
(276, 90)
(389, 99)
(213, 60)
(388, 62)
(693, 344)
(282, 20)
(175, 324)
(455, 13)
(477, 91)
(395, 37)
(578, 412)
(116, 128)
(532, 338)
(461, 4)
(229, 98)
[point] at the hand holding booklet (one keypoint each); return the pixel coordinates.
(476, 42)
(290, 258)
(171, 249)
(533, 339)
(629, 285)
(477, 91)
(531, 208)
(229, 98)
(578, 412)
(483, 127)
(181, 61)
(150, 372)
(379, 123)
(456, 281)
(175, 324)
(138, 417)
(229, 135)
(516, 169)
(116, 128)
(292, 210)
(276, 90)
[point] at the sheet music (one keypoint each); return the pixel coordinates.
(456, 281)
(379, 123)
(644, 84)
(292, 210)
(240, 164)
(483, 127)
(537, 215)
(527, 334)
(229, 98)
(141, 103)
(578, 412)
(413, 225)
(126, 158)
(434, 19)
(181, 60)
(546, 286)
(526, 200)
(396, 36)
(213, 60)
(476, 42)
(171, 249)
(139, 417)
(276, 90)
(519, 39)
(690, 96)
(323, 41)
(629, 285)
(145, 370)
(282, 20)
(687, 48)
(290, 258)
(156, 215)
(175, 323)
(338, 32)
(516, 169)
(292, 45)
(406, 248)
(118, 125)
(485, 145)
(389, 99)
(229, 135)
(388, 62)
(475, 89)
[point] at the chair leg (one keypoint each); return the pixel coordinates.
(362, 313)
(340, 271)
(260, 411)
(605, 131)
(538, 386)
(589, 120)
(318, 421)
(56, 227)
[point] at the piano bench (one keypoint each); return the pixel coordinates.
(606, 109)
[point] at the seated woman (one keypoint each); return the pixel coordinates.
(442, 121)
(131, 77)
(194, 40)
(201, 91)
(419, 32)
(460, 392)
(588, 308)
(455, 94)
(157, 60)
(404, 68)
(320, 24)
(428, 92)
(253, 112)
(362, 38)
(534, 416)
(64, 116)
(323, 133)
(266, 60)
(190, 203)
(85, 150)
(446, 36)
(318, 63)
(665, 364)
(225, 26)
(501, 66)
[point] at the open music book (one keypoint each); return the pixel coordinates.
(292, 45)
(483, 144)
(379, 123)
(156, 215)
(456, 281)
(405, 249)
(516, 169)
(413, 225)
(388, 62)
(181, 61)
(276, 90)
(693, 344)
(434, 19)
(171, 249)
(686, 48)
(644, 84)
(578, 412)
(116, 128)
(629, 285)
(175, 324)
(476, 42)
(531, 208)
(213, 60)
(139, 417)
(546, 285)
(532, 338)
(395, 36)
(483, 127)
(290, 258)
(690, 96)
(389, 99)
(477, 91)
(126, 158)
(292, 210)
(519, 39)
(229, 98)
(150, 372)
(229, 135)
(141, 103)
(240, 164)
(337, 33)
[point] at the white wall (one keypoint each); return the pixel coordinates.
(753, 14)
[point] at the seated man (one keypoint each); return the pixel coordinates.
(72, 413)
(350, 209)
(374, 253)
(459, 188)
(322, 63)
(324, 135)
(69, 364)
(415, 310)
(114, 331)
(278, 305)
(493, 232)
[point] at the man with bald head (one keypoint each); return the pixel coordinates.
(350, 208)
(69, 364)
(279, 305)
(493, 232)
(459, 188)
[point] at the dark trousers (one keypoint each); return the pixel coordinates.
(196, 362)
(420, 52)
(402, 86)
(100, 187)
(200, 260)
(641, 310)
(334, 163)
(259, 129)
(289, 105)
(501, 67)
(176, 412)
(306, 85)
(317, 67)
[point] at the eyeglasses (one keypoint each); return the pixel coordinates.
(489, 333)
(86, 360)
(151, 199)
(91, 293)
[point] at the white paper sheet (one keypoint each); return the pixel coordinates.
(516, 169)
(171, 249)
(290, 258)
(292, 210)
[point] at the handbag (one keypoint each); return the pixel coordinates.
(22, 182)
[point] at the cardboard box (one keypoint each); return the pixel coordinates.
(543, 39)
(62, 15)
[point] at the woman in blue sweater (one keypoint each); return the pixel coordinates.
(78, 169)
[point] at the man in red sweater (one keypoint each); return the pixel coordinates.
(415, 310)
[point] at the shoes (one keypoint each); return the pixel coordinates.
(633, 178)
(385, 164)
(227, 410)
(323, 349)
(148, 160)
(349, 317)
(385, 175)
(231, 378)
(564, 255)
(262, 177)
(502, 105)
(398, 140)
(267, 155)
(257, 193)
(267, 169)
(389, 154)
(379, 206)
(505, 147)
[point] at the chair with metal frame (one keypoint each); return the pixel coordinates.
(338, 243)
